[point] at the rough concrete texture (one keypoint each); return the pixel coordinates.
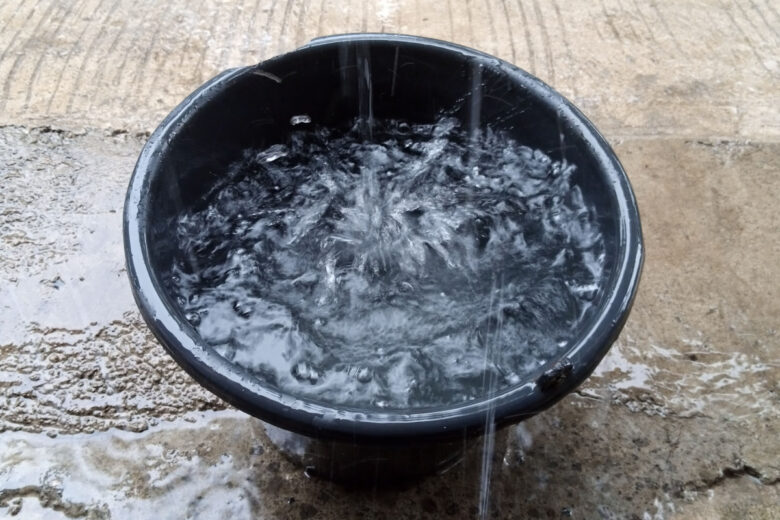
(681, 419)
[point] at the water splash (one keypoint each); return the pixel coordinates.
(363, 270)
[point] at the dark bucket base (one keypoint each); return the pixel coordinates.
(366, 464)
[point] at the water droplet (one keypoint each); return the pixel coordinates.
(301, 371)
(586, 292)
(300, 119)
(304, 372)
(272, 153)
(364, 375)
(243, 309)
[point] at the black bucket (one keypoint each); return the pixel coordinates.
(413, 79)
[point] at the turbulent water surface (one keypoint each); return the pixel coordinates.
(421, 266)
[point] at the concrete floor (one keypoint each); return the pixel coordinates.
(682, 418)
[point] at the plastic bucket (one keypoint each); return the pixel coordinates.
(410, 78)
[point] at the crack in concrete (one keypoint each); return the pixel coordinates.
(727, 473)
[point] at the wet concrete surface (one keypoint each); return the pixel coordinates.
(75, 355)
(685, 402)
(680, 420)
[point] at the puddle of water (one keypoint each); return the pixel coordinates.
(700, 381)
(118, 474)
(623, 372)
